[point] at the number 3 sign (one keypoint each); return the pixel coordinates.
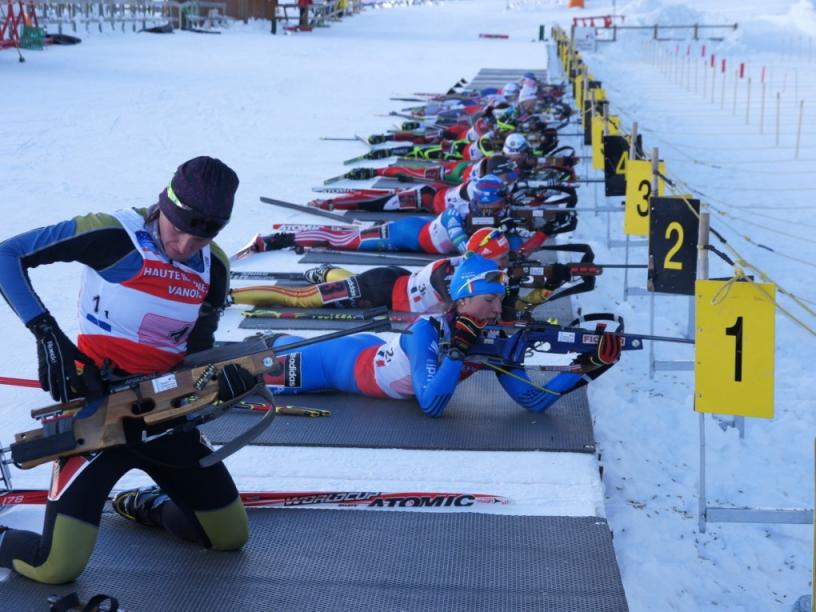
(734, 354)
(638, 192)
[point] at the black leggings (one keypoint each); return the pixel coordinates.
(368, 289)
(205, 507)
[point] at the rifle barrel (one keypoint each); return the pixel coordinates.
(658, 338)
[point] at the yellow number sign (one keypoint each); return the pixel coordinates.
(579, 91)
(734, 353)
(597, 142)
(612, 125)
(638, 192)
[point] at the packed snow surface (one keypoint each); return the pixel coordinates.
(102, 125)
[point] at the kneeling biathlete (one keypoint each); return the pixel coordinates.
(430, 361)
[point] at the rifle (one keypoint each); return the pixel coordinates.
(547, 220)
(533, 274)
(509, 344)
(142, 408)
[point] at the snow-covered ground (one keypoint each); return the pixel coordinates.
(102, 125)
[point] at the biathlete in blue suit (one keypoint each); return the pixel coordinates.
(429, 362)
(447, 233)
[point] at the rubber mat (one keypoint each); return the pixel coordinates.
(481, 416)
(354, 560)
(499, 77)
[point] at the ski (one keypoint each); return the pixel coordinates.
(367, 190)
(260, 275)
(305, 209)
(278, 499)
(246, 250)
(382, 154)
(285, 409)
(307, 313)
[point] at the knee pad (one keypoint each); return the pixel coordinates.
(72, 543)
(226, 528)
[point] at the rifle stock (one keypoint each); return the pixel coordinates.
(146, 405)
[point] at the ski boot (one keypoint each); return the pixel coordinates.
(360, 174)
(275, 242)
(141, 505)
(318, 275)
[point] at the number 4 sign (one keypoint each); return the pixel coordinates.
(734, 355)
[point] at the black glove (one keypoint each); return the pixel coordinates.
(56, 356)
(234, 381)
(507, 224)
(376, 139)
(466, 333)
(410, 125)
(557, 275)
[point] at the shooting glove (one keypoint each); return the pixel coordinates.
(557, 275)
(57, 357)
(234, 381)
(607, 353)
(507, 224)
(466, 332)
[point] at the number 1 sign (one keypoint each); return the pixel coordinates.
(734, 356)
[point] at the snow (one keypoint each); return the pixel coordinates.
(102, 125)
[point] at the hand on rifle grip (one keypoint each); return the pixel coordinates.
(233, 381)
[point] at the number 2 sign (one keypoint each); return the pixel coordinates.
(734, 348)
(673, 228)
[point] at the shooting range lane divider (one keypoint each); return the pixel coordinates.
(734, 317)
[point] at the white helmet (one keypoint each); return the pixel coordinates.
(515, 144)
(510, 90)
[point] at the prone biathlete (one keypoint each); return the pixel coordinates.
(447, 233)
(450, 173)
(429, 362)
(435, 198)
(424, 291)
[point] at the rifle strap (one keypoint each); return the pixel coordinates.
(522, 379)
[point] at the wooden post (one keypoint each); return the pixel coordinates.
(722, 93)
(799, 127)
(736, 83)
(702, 243)
(705, 81)
(655, 168)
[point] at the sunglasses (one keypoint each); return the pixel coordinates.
(491, 276)
(192, 221)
